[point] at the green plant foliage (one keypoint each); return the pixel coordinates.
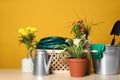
(27, 37)
(75, 50)
(81, 27)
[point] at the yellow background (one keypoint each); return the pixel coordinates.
(52, 18)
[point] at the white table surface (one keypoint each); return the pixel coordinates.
(17, 74)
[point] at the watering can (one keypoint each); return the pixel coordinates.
(41, 62)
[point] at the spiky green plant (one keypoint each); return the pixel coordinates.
(75, 50)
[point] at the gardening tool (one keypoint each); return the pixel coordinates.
(115, 31)
(41, 63)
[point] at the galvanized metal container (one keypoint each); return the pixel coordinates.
(119, 57)
(110, 62)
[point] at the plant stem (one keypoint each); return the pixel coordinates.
(27, 53)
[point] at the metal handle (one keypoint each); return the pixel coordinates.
(49, 62)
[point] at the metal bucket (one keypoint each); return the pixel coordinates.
(109, 64)
(119, 57)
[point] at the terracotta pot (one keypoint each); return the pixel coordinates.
(77, 67)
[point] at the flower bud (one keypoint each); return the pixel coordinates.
(33, 29)
(80, 21)
(28, 28)
(82, 29)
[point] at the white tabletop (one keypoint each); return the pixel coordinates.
(17, 74)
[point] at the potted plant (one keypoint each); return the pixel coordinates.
(27, 37)
(81, 27)
(77, 61)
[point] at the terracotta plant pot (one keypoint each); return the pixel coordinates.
(77, 67)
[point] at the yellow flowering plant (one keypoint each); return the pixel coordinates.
(27, 37)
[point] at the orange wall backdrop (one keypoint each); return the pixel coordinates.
(52, 18)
